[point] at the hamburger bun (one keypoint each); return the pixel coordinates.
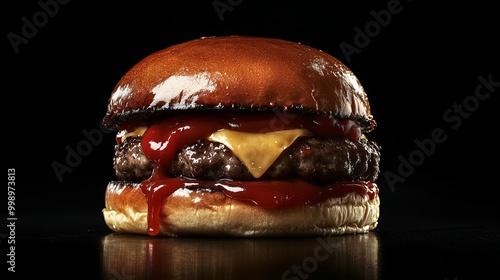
(198, 213)
(238, 73)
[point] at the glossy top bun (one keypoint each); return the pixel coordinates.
(238, 73)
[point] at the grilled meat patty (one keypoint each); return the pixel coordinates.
(320, 161)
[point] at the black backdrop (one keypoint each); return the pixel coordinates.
(430, 70)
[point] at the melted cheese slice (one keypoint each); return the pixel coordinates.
(257, 151)
(137, 132)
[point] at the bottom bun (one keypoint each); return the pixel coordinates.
(200, 213)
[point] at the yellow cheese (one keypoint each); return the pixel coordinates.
(257, 151)
(139, 131)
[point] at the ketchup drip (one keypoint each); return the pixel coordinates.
(164, 139)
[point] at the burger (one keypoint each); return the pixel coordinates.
(241, 136)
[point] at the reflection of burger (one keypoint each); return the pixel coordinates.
(241, 136)
(353, 256)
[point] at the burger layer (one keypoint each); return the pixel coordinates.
(316, 160)
(201, 211)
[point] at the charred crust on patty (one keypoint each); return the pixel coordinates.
(320, 161)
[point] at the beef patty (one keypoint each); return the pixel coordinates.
(320, 161)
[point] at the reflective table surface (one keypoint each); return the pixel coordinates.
(457, 252)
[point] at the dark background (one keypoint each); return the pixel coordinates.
(425, 61)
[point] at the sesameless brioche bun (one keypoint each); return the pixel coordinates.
(237, 74)
(188, 213)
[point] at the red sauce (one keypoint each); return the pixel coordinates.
(164, 139)
(266, 194)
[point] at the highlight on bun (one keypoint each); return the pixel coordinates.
(238, 73)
